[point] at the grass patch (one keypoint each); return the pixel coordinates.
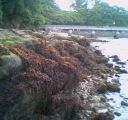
(8, 41)
(4, 50)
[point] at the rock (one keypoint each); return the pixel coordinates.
(115, 58)
(83, 42)
(121, 63)
(119, 70)
(100, 110)
(117, 113)
(123, 103)
(113, 87)
(103, 76)
(103, 99)
(98, 52)
(3, 73)
(9, 65)
(80, 116)
(122, 71)
(103, 116)
(12, 62)
(116, 75)
(109, 65)
(102, 60)
(82, 97)
(102, 88)
(107, 86)
(116, 81)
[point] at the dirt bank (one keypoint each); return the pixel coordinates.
(60, 78)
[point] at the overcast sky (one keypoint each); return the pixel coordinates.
(65, 4)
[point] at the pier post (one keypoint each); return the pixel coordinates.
(116, 34)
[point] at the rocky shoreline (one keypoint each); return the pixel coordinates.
(54, 76)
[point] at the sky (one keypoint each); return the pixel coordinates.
(65, 4)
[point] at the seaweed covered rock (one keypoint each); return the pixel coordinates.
(86, 57)
(60, 72)
(103, 116)
(45, 88)
(42, 78)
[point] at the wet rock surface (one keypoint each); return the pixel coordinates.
(113, 87)
(117, 100)
(117, 113)
(103, 116)
(120, 70)
(124, 103)
(108, 86)
(115, 58)
(121, 63)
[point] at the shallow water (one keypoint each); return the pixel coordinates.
(117, 47)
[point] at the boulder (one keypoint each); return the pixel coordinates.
(98, 52)
(109, 65)
(122, 71)
(117, 113)
(117, 68)
(121, 63)
(115, 58)
(102, 88)
(124, 103)
(116, 81)
(113, 87)
(102, 60)
(116, 75)
(83, 42)
(103, 116)
(107, 86)
(9, 65)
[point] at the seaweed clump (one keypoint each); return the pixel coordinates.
(44, 76)
(45, 85)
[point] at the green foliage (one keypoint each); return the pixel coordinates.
(101, 14)
(80, 3)
(33, 13)
(0, 11)
(21, 13)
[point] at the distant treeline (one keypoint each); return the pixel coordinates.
(28, 13)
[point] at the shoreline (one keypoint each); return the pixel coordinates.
(118, 101)
(68, 57)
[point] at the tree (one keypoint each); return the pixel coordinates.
(0, 11)
(80, 4)
(19, 12)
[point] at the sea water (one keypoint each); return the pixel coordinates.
(117, 47)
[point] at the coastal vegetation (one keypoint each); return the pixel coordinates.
(22, 13)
